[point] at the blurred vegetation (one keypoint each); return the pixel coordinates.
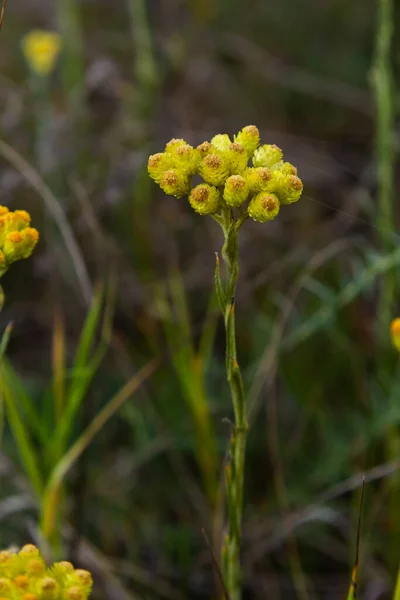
(317, 290)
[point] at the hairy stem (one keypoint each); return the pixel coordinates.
(235, 468)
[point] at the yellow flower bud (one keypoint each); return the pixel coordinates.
(81, 578)
(35, 567)
(249, 137)
(259, 179)
(21, 582)
(21, 219)
(29, 549)
(3, 210)
(204, 199)
(158, 164)
(84, 577)
(267, 155)
(173, 144)
(74, 593)
(186, 159)
(237, 157)
(48, 589)
(214, 168)
(174, 183)
(289, 189)
(64, 566)
(13, 246)
(20, 244)
(221, 142)
(29, 596)
(204, 149)
(236, 190)
(41, 50)
(5, 586)
(264, 207)
(395, 333)
(284, 168)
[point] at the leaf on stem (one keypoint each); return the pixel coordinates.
(218, 284)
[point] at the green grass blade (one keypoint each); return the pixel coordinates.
(56, 479)
(84, 368)
(24, 401)
(88, 333)
(3, 347)
(4, 340)
(21, 435)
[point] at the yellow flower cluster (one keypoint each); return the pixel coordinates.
(229, 180)
(17, 238)
(41, 50)
(25, 576)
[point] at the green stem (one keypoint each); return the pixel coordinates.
(235, 469)
(384, 92)
(385, 115)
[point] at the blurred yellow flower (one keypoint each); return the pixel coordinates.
(25, 575)
(17, 238)
(41, 50)
(395, 333)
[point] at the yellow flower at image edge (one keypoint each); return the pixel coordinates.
(395, 333)
(41, 50)
(26, 576)
(17, 238)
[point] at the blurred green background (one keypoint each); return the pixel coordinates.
(313, 307)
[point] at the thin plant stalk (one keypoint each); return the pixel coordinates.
(384, 92)
(72, 67)
(235, 469)
(383, 86)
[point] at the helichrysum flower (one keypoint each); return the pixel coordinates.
(264, 207)
(259, 179)
(237, 157)
(204, 199)
(17, 238)
(229, 181)
(249, 137)
(221, 141)
(25, 576)
(214, 168)
(158, 164)
(267, 155)
(41, 50)
(174, 183)
(186, 158)
(289, 189)
(236, 190)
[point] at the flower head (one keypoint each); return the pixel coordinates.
(214, 168)
(236, 190)
(41, 50)
(229, 181)
(174, 183)
(25, 576)
(267, 155)
(17, 238)
(204, 199)
(264, 207)
(249, 137)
